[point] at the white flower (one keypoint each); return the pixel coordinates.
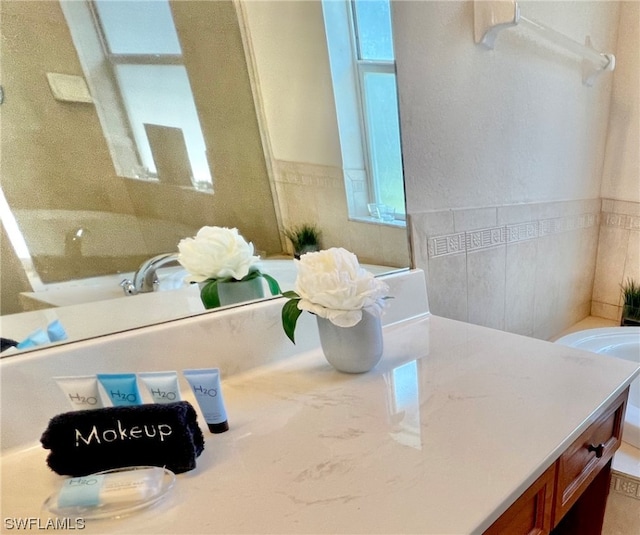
(332, 285)
(217, 253)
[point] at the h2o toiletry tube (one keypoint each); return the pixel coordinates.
(162, 386)
(122, 388)
(81, 391)
(206, 387)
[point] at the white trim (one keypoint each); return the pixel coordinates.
(254, 81)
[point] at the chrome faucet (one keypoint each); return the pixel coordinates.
(146, 279)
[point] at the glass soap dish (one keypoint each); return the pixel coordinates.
(110, 494)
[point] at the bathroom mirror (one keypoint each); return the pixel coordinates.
(95, 181)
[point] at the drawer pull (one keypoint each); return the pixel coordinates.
(599, 449)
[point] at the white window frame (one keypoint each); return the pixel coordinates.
(351, 103)
(364, 67)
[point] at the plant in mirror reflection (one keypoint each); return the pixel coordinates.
(332, 285)
(305, 238)
(220, 255)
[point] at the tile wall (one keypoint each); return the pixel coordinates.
(618, 256)
(311, 193)
(526, 268)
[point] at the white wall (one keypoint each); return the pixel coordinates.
(503, 154)
(511, 125)
(621, 177)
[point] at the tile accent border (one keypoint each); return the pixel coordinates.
(462, 242)
(304, 174)
(625, 484)
(622, 221)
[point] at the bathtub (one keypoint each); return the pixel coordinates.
(106, 287)
(622, 343)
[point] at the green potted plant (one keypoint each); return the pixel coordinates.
(305, 238)
(631, 303)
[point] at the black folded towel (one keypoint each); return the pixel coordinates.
(85, 442)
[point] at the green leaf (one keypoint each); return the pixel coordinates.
(250, 276)
(291, 294)
(274, 287)
(209, 294)
(290, 315)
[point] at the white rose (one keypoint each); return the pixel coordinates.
(332, 285)
(216, 253)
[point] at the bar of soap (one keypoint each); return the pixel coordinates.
(110, 494)
(115, 488)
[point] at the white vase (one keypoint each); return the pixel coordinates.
(354, 349)
(240, 291)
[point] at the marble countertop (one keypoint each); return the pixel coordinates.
(454, 423)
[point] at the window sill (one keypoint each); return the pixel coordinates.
(397, 223)
(156, 182)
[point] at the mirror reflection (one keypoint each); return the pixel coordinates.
(127, 125)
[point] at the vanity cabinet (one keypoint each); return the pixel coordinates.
(531, 513)
(570, 497)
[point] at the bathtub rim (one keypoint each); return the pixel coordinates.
(614, 335)
(597, 333)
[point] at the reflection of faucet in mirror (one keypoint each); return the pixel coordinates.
(146, 279)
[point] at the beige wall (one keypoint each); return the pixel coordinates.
(296, 96)
(503, 153)
(215, 60)
(619, 243)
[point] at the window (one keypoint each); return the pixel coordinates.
(143, 89)
(362, 30)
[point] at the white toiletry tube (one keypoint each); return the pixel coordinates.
(162, 386)
(205, 384)
(81, 391)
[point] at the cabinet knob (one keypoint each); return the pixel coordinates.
(599, 449)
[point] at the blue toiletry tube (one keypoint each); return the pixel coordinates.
(206, 387)
(36, 338)
(162, 386)
(56, 331)
(81, 391)
(122, 388)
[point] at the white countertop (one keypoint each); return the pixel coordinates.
(453, 424)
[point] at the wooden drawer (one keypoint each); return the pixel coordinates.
(582, 461)
(531, 513)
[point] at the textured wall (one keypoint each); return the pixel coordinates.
(619, 244)
(503, 153)
(621, 176)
